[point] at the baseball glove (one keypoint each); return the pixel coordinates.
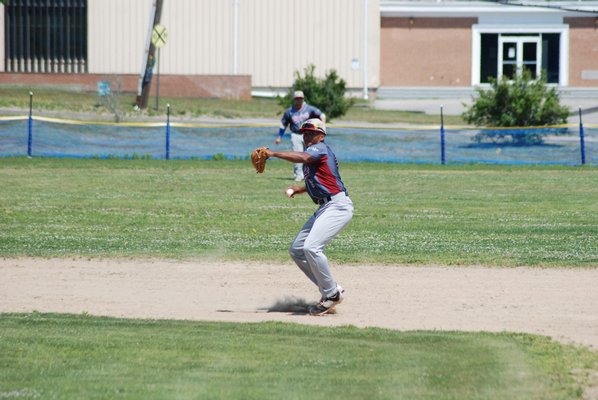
(258, 159)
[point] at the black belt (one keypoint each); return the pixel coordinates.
(323, 201)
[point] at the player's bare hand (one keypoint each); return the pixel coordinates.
(291, 191)
(277, 140)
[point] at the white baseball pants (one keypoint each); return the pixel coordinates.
(297, 141)
(307, 250)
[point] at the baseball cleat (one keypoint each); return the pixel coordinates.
(327, 305)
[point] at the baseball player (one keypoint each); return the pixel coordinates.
(293, 117)
(325, 187)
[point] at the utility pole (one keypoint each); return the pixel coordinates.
(145, 80)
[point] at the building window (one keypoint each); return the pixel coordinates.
(46, 36)
(507, 55)
(506, 51)
(489, 57)
(551, 56)
(518, 53)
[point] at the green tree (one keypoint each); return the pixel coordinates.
(327, 94)
(523, 102)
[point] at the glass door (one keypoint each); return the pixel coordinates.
(517, 54)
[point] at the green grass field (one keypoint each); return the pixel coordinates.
(458, 215)
(545, 216)
(82, 357)
(63, 102)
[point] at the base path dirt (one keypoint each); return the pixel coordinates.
(560, 303)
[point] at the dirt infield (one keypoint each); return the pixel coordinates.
(561, 303)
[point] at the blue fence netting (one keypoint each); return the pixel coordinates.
(51, 137)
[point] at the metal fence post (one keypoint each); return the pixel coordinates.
(30, 125)
(582, 139)
(168, 131)
(442, 153)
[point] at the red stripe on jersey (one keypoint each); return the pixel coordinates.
(326, 178)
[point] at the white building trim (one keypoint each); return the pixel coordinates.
(456, 9)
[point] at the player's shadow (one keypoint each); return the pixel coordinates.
(292, 305)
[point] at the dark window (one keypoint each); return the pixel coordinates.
(489, 54)
(48, 36)
(551, 56)
(530, 59)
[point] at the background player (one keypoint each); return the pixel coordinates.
(293, 117)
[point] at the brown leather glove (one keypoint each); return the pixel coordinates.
(259, 157)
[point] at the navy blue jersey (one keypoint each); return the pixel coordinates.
(322, 178)
(294, 118)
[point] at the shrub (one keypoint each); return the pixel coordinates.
(522, 102)
(327, 94)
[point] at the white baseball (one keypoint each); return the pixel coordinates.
(290, 192)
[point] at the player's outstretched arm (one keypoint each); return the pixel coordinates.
(292, 156)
